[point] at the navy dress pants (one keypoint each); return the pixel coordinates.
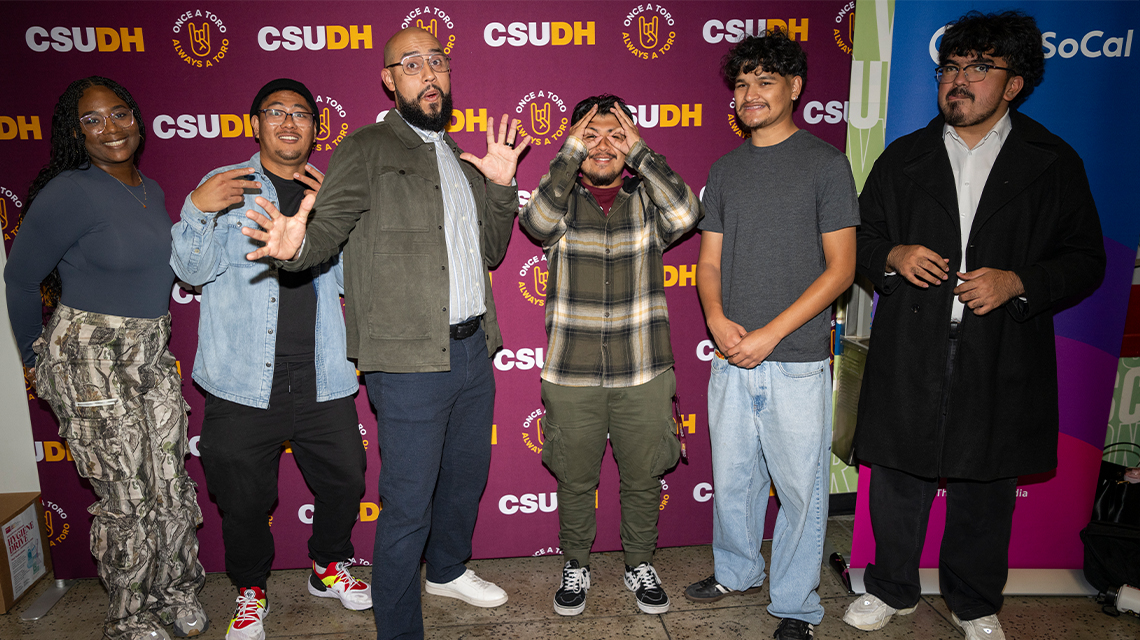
(435, 450)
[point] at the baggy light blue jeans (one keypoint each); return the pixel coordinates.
(771, 425)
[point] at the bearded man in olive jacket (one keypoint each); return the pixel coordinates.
(961, 376)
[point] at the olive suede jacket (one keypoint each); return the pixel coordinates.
(381, 200)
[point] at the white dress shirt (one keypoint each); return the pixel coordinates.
(971, 170)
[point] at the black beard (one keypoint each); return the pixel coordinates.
(956, 116)
(420, 119)
(603, 179)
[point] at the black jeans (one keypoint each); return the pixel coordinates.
(973, 562)
(241, 449)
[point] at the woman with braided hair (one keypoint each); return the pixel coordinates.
(102, 361)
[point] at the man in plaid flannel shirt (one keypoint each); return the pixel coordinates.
(609, 365)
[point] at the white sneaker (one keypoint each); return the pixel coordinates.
(471, 589)
(337, 582)
(191, 624)
(984, 628)
(870, 613)
(249, 617)
(159, 634)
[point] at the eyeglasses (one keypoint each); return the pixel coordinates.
(948, 73)
(97, 122)
(413, 65)
(277, 117)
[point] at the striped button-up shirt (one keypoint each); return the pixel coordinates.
(606, 316)
(461, 230)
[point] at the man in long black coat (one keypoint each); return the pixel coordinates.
(961, 377)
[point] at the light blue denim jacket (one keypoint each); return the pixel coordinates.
(237, 325)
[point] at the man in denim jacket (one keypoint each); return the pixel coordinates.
(294, 384)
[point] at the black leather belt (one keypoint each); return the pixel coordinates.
(466, 329)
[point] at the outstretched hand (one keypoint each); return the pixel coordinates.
(502, 157)
(281, 234)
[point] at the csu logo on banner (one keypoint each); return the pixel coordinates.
(540, 115)
(10, 205)
(436, 22)
(538, 34)
(199, 38)
(533, 438)
(532, 280)
(85, 39)
(528, 503)
(524, 359)
(331, 37)
(227, 125)
(22, 126)
(55, 523)
(666, 115)
(648, 31)
(844, 30)
(333, 127)
(736, 30)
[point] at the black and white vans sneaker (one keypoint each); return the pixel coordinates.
(642, 580)
(570, 599)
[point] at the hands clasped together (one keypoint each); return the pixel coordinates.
(982, 290)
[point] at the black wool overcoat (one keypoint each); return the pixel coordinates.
(1036, 217)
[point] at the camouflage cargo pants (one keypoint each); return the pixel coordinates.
(116, 391)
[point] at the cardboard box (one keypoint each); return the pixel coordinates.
(25, 559)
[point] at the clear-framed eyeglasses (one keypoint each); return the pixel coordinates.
(948, 73)
(96, 123)
(414, 64)
(277, 117)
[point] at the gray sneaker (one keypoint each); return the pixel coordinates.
(984, 628)
(191, 624)
(870, 613)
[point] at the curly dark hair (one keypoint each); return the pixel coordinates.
(772, 50)
(605, 102)
(68, 151)
(1012, 35)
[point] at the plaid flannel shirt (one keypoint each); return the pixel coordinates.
(606, 317)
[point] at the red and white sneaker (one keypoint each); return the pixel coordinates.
(247, 623)
(334, 581)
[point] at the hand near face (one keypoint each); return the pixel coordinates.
(626, 142)
(281, 234)
(987, 289)
(502, 157)
(223, 190)
(919, 265)
(579, 129)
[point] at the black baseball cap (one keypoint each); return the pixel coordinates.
(282, 84)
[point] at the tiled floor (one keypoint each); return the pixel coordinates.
(610, 609)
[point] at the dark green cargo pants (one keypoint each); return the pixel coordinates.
(639, 424)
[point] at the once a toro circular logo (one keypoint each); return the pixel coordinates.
(332, 125)
(436, 22)
(532, 280)
(10, 205)
(648, 31)
(543, 116)
(199, 38)
(734, 124)
(55, 522)
(844, 29)
(532, 430)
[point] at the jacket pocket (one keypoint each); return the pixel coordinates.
(402, 196)
(399, 307)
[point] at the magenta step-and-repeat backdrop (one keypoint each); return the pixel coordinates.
(194, 68)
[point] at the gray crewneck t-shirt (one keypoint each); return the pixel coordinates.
(113, 254)
(772, 204)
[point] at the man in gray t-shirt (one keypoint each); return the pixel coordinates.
(777, 248)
